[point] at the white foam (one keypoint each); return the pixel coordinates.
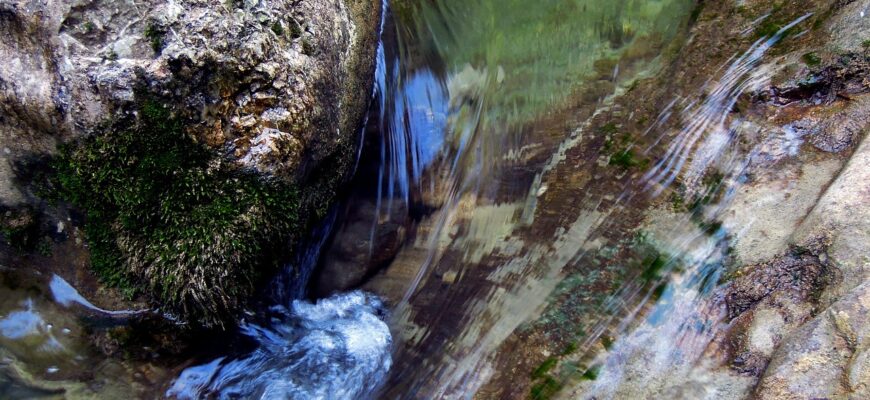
(338, 348)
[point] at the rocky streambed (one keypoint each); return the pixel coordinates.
(580, 199)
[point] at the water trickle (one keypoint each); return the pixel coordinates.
(66, 295)
(706, 134)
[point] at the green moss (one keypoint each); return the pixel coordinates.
(609, 129)
(607, 342)
(696, 12)
(569, 349)
(307, 47)
(710, 227)
(824, 17)
(678, 203)
(235, 3)
(43, 247)
(865, 43)
(659, 291)
(155, 36)
(592, 373)
(545, 390)
(277, 28)
(768, 28)
(654, 267)
(295, 29)
(811, 59)
(166, 217)
(626, 158)
(713, 190)
(618, 146)
(545, 367)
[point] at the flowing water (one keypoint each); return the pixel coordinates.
(479, 108)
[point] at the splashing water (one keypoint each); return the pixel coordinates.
(337, 348)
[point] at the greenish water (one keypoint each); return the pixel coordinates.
(537, 54)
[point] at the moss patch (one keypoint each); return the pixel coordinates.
(811, 59)
(278, 28)
(545, 389)
(544, 368)
(167, 217)
(619, 146)
(155, 36)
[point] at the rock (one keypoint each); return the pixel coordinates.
(274, 92)
(361, 246)
(843, 130)
(819, 359)
(254, 75)
(780, 198)
(840, 221)
(798, 274)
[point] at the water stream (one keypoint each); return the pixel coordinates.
(454, 239)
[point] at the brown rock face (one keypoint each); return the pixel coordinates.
(280, 87)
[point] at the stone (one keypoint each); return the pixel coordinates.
(77, 67)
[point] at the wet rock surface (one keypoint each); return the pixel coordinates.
(610, 226)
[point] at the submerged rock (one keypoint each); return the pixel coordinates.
(270, 93)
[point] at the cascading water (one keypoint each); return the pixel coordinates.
(688, 314)
(337, 348)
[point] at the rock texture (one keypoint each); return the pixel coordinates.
(279, 86)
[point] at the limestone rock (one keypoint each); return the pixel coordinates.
(826, 358)
(278, 86)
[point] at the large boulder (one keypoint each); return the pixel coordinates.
(265, 100)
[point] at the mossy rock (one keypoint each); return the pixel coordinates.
(169, 218)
